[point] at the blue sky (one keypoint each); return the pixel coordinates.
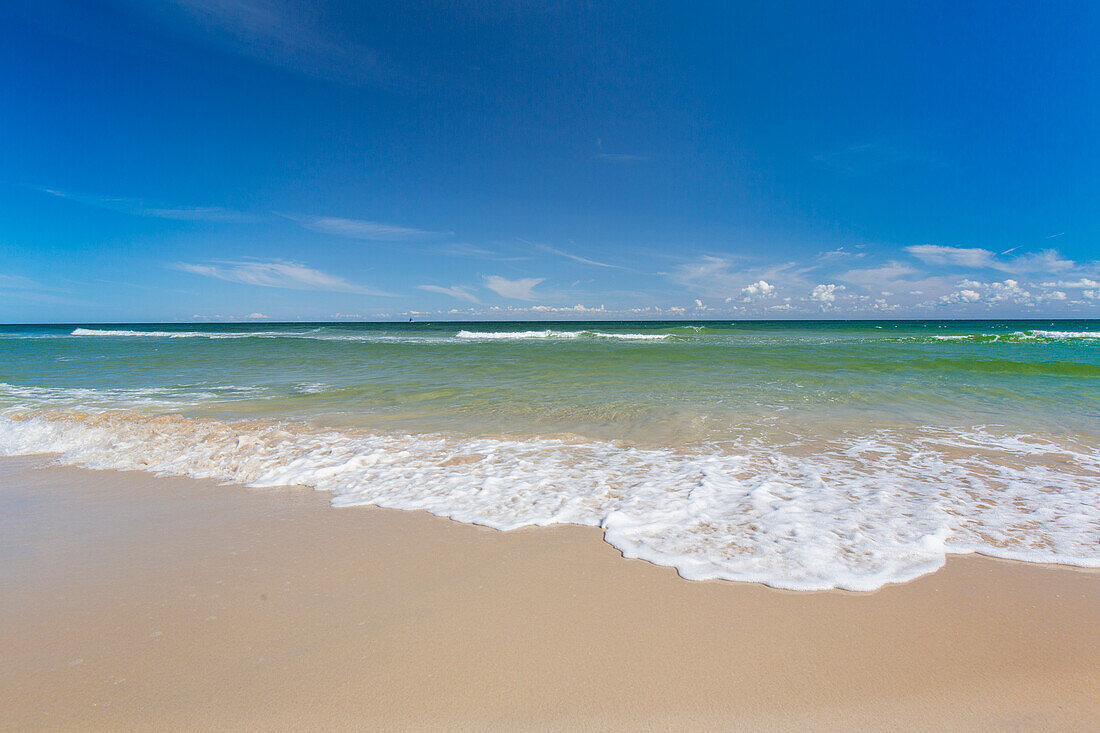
(236, 159)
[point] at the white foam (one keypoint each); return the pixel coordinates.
(313, 335)
(550, 334)
(370, 337)
(146, 398)
(1061, 334)
(194, 334)
(854, 514)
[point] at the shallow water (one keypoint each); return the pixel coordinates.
(804, 455)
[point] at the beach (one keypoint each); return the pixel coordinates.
(140, 602)
(511, 366)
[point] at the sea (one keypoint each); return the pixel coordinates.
(803, 455)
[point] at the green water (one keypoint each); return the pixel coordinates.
(703, 381)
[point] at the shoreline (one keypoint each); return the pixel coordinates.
(136, 601)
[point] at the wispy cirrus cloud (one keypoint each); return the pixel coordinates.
(374, 231)
(1047, 260)
(873, 157)
(571, 256)
(719, 277)
(520, 289)
(935, 254)
(274, 274)
(18, 282)
(620, 157)
(139, 207)
(303, 38)
(22, 288)
(455, 291)
(882, 275)
(293, 36)
(465, 249)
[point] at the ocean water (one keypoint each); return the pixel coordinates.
(804, 455)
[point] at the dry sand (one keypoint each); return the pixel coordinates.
(133, 602)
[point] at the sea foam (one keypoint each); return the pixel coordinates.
(551, 334)
(320, 335)
(855, 513)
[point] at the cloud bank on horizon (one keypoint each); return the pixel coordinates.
(224, 159)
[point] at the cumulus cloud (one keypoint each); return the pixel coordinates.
(961, 296)
(455, 291)
(826, 293)
(515, 289)
(758, 288)
(1009, 290)
(274, 274)
(578, 308)
(993, 293)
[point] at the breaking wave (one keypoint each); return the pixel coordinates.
(853, 513)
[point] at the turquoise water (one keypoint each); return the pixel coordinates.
(875, 436)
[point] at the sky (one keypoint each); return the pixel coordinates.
(223, 160)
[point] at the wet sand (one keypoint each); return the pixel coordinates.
(134, 602)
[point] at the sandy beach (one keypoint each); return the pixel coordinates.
(129, 601)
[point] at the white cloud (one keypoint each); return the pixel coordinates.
(1008, 291)
(18, 282)
(961, 296)
(374, 231)
(760, 287)
(934, 254)
(713, 277)
(296, 37)
(620, 157)
(578, 308)
(256, 316)
(516, 289)
(274, 274)
(137, 207)
(876, 277)
(1081, 283)
(705, 269)
(571, 256)
(455, 291)
(826, 293)
(1048, 260)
